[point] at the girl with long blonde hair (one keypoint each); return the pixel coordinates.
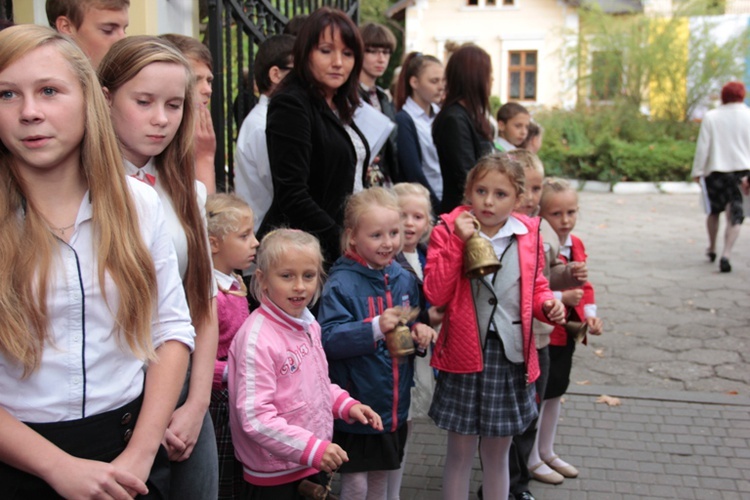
(149, 87)
(91, 289)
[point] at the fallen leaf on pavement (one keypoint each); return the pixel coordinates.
(732, 393)
(599, 352)
(609, 400)
(583, 382)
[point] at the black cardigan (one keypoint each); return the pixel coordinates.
(459, 146)
(312, 161)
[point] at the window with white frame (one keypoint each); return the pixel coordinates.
(491, 4)
(522, 73)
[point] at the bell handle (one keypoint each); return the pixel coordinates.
(477, 225)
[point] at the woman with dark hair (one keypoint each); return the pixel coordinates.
(722, 159)
(461, 131)
(315, 150)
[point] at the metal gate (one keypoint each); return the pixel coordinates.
(235, 29)
(6, 10)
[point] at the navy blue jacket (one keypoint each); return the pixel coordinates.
(410, 155)
(353, 295)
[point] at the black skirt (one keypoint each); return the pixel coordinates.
(724, 193)
(370, 452)
(287, 491)
(560, 364)
(100, 437)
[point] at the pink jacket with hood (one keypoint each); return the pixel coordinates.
(281, 401)
(458, 348)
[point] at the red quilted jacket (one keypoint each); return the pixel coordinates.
(458, 347)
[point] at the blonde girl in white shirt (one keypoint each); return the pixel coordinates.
(91, 293)
(149, 87)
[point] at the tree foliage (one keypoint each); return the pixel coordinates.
(643, 59)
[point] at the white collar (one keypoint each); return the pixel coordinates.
(149, 167)
(304, 321)
(505, 145)
(512, 226)
(568, 242)
(225, 281)
(413, 108)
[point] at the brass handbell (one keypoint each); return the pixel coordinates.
(479, 256)
(399, 341)
(577, 330)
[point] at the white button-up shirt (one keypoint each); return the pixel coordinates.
(171, 219)
(252, 168)
(86, 367)
(430, 160)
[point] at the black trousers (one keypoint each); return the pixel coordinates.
(100, 437)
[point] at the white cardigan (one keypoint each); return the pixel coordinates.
(724, 141)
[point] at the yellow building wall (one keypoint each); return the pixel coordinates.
(529, 25)
(144, 15)
(143, 18)
(667, 91)
(23, 12)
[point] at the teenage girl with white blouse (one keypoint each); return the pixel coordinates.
(149, 87)
(91, 293)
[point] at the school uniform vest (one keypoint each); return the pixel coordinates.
(497, 300)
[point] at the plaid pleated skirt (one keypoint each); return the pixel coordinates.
(495, 402)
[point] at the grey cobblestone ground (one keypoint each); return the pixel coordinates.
(672, 320)
(675, 351)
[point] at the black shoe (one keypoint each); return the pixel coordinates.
(711, 256)
(526, 495)
(724, 265)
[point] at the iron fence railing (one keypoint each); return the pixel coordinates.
(6, 10)
(235, 29)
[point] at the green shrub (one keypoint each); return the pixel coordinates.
(616, 143)
(495, 104)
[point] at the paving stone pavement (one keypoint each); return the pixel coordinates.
(672, 321)
(675, 351)
(656, 445)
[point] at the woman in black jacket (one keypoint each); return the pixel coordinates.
(316, 152)
(461, 131)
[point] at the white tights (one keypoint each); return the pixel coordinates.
(396, 476)
(371, 485)
(544, 446)
(460, 457)
(548, 418)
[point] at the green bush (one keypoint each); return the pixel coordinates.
(614, 144)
